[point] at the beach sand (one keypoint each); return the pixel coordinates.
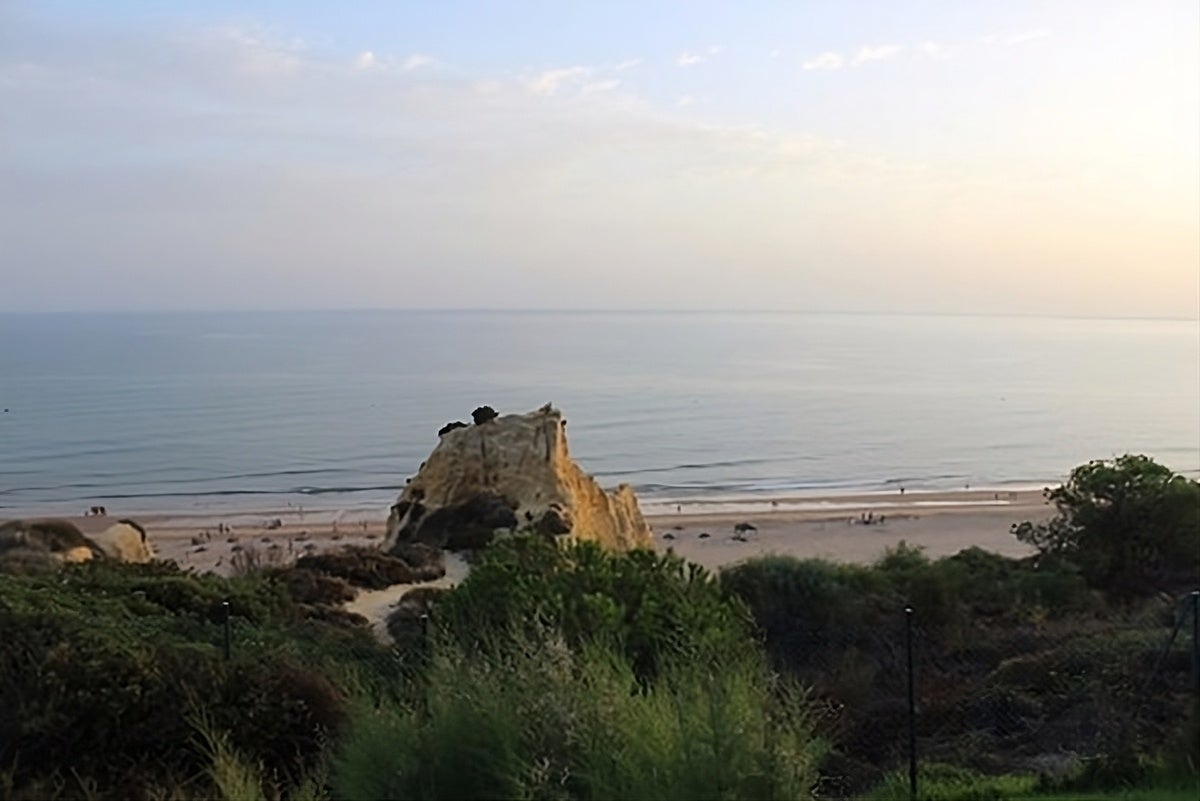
(828, 527)
(832, 528)
(702, 531)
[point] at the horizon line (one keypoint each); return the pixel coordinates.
(613, 310)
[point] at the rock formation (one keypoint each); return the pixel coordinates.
(45, 542)
(58, 541)
(125, 541)
(505, 474)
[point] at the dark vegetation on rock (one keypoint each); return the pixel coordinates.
(484, 414)
(372, 569)
(446, 429)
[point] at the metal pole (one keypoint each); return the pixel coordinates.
(1196, 669)
(912, 706)
(1196, 644)
(225, 605)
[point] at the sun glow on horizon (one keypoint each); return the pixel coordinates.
(1035, 159)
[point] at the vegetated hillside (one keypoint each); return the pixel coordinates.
(1020, 667)
(109, 672)
(573, 672)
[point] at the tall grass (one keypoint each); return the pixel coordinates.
(535, 718)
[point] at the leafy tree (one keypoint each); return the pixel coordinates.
(1131, 525)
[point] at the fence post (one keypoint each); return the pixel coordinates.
(912, 706)
(1196, 645)
(225, 606)
(1196, 665)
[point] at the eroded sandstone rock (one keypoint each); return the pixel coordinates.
(125, 541)
(46, 542)
(57, 541)
(508, 473)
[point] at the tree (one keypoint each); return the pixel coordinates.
(1131, 525)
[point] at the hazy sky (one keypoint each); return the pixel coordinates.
(1026, 157)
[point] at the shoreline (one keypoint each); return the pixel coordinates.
(827, 526)
(224, 507)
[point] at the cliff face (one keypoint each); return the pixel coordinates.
(510, 473)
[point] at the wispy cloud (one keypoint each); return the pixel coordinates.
(550, 81)
(366, 61)
(627, 64)
(868, 53)
(689, 59)
(599, 86)
(1027, 36)
(685, 101)
(416, 61)
(830, 60)
(934, 50)
(256, 55)
(825, 61)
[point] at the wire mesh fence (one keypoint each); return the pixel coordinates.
(1058, 699)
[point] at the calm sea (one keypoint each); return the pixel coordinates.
(189, 412)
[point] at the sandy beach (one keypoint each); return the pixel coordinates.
(828, 527)
(834, 527)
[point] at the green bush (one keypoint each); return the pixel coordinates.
(948, 783)
(534, 717)
(655, 607)
(103, 666)
(1013, 656)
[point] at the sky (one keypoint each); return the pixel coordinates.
(943, 157)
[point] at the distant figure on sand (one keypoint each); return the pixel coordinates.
(744, 528)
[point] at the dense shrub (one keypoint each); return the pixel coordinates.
(374, 569)
(104, 667)
(533, 717)
(656, 608)
(312, 587)
(1013, 657)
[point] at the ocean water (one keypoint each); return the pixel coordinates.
(333, 410)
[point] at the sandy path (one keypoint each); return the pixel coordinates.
(376, 605)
